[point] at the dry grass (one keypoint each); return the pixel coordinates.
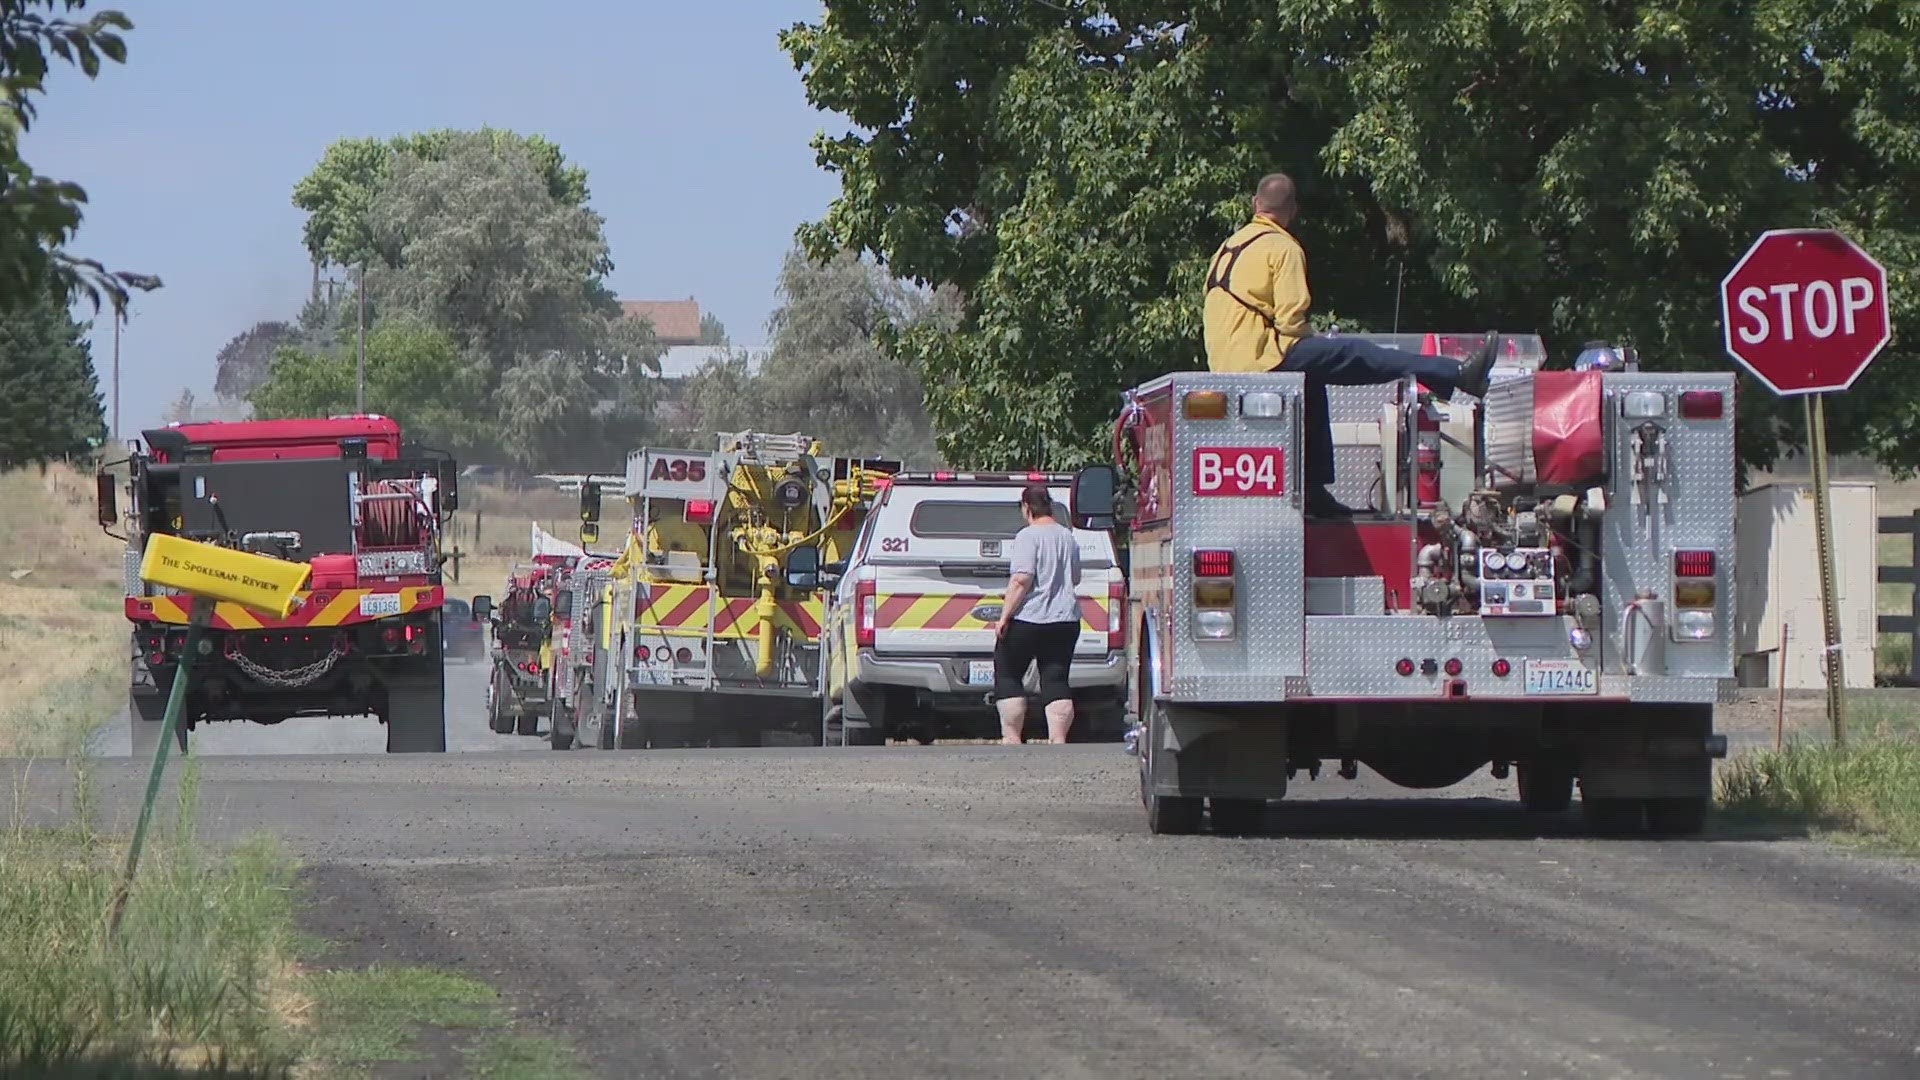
(492, 531)
(60, 606)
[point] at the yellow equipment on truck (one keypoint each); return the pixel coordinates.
(714, 608)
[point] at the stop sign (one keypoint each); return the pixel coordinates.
(1805, 311)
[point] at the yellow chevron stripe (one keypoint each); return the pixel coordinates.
(237, 617)
(343, 606)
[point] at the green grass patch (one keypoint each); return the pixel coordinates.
(1867, 790)
(191, 984)
(370, 1016)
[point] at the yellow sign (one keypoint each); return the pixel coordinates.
(260, 582)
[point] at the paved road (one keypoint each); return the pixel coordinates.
(982, 911)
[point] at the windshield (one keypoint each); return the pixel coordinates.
(956, 520)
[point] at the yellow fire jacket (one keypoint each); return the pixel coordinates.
(1256, 298)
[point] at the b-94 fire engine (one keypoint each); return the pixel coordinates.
(341, 495)
(1545, 587)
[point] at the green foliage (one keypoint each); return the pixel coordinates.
(51, 407)
(415, 374)
(39, 216)
(485, 238)
(712, 330)
(338, 194)
(826, 373)
(1577, 167)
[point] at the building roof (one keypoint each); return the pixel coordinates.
(675, 322)
(681, 361)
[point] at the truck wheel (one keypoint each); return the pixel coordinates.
(499, 720)
(1173, 815)
(1612, 817)
(1237, 817)
(1676, 817)
(560, 733)
(417, 717)
(1545, 785)
(527, 724)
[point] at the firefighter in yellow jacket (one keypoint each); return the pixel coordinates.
(1256, 320)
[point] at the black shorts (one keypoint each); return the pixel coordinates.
(1050, 644)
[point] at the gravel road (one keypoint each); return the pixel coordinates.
(981, 911)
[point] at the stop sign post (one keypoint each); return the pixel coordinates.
(1805, 311)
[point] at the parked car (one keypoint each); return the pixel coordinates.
(463, 636)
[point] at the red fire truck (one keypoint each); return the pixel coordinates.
(1543, 584)
(343, 495)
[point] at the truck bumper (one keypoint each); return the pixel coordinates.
(947, 675)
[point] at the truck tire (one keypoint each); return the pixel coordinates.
(1237, 817)
(1171, 815)
(417, 713)
(1677, 817)
(1612, 817)
(560, 733)
(1545, 785)
(499, 720)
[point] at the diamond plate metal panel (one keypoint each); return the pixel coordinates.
(1267, 536)
(1354, 657)
(1638, 542)
(1357, 479)
(131, 561)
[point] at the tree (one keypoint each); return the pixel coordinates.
(1578, 167)
(414, 373)
(826, 372)
(712, 330)
(51, 408)
(39, 216)
(244, 362)
(338, 194)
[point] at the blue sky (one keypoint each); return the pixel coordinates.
(688, 117)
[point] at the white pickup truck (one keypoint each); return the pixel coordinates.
(908, 642)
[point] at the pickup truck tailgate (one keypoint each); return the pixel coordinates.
(950, 609)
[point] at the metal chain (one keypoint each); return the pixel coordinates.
(291, 679)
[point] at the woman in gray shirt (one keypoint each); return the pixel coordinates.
(1040, 622)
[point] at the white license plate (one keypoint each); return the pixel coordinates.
(979, 673)
(377, 604)
(1560, 678)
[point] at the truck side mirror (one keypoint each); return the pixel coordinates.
(482, 608)
(803, 568)
(831, 573)
(1090, 500)
(108, 497)
(590, 502)
(449, 477)
(542, 609)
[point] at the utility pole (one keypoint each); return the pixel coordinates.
(360, 361)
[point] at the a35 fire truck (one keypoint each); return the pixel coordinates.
(342, 495)
(1546, 586)
(709, 623)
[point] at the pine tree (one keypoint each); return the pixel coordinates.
(49, 392)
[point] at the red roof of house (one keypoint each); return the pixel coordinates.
(675, 322)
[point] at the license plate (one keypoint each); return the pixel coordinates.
(979, 673)
(1246, 471)
(377, 604)
(1560, 678)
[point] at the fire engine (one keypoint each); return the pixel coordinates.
(1543, 587)
(342, 495)
(518, 689)
(710, 632)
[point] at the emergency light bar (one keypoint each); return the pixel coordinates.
(944, 477)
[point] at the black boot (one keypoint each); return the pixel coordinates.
(1477, 371)
(1322, 504)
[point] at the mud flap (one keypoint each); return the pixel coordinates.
(416, 715)
(1201, 754)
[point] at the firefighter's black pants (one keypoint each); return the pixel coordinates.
(1346, 361)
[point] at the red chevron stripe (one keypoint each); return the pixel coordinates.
(1094, 614)
(733, 612)
(952, 612)
(892, 608)
(686, 609)
(802, 618)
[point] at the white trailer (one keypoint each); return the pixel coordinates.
(1570, 617)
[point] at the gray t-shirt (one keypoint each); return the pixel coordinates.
(1052, 556)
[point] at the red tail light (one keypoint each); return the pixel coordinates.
(943, 477)
(1453, 666)
(684, 656)
(1502, 668)
(1216, 563)
(641, 652)
(700, 511)
(1702, 405)
(156, 659)
(1036, 478)
(1693, 564)
(865, 613)
(1403, 666)
(1116, 616)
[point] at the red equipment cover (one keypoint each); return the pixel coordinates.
(332, 572)
(1566, 427)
